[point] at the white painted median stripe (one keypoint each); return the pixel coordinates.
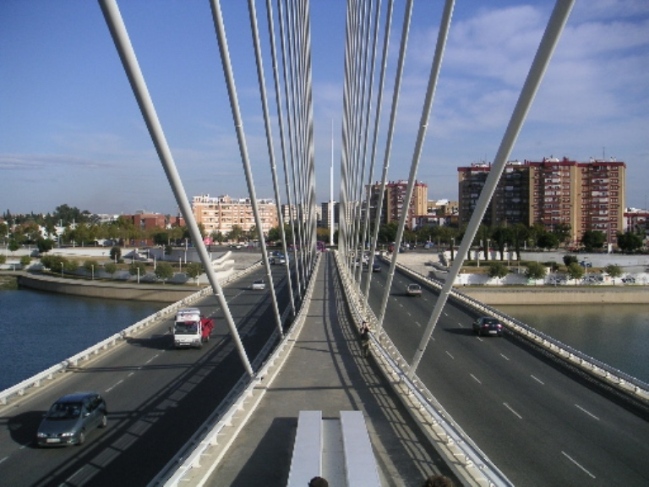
(538, 380)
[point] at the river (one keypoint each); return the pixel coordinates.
(616, 334)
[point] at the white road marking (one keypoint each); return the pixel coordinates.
(476, 379)
(3, 459)
(538, 380)
(504, 356)
(114, 386)
(576, 463)
(418, 324)
(69, 479)
(447, 353)
(460, 324)
(587, 412)
(514, 412)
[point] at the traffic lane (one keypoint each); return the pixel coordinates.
(145, 355)
(541, 427)
(452, 322)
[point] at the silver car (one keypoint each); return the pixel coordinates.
(70, 419)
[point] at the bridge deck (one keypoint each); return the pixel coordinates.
(326, 372)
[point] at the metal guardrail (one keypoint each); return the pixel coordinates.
(463, 456)
(200, 456)
(53, 372)
(596, 368)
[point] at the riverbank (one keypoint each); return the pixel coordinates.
(532, 295)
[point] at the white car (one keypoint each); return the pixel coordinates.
(258, 284)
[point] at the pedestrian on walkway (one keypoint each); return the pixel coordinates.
(365, 339)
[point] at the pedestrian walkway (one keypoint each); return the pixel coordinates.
(326, 371)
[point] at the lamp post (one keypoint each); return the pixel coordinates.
(92, 272)
(61, 269)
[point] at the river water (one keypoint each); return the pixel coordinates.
(41, 329)
(616, 334)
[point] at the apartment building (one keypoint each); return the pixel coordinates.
(584, 195)
(393, 202)
(222, 213)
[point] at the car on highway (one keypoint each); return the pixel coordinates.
(259, 284)
(486, 325)
(71, 418)
(413, 289)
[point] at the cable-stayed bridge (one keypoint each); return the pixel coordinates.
(532, 421)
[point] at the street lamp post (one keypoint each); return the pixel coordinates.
(61, 269)
(92, 272)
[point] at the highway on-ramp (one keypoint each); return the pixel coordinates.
(157, 398)
(539, 422)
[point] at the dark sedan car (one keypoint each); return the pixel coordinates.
(486, 325)
(70, 419)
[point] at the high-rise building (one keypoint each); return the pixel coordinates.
(222, 213)
(584, 195)
(393, 204)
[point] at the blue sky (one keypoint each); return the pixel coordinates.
(71, 132)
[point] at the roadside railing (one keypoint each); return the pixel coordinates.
(46, 376)
(464, 457)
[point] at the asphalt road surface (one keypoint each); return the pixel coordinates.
(538, 422)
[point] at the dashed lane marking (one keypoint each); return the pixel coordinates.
(114, 386)
(587, 412)
(577, 464)
(512, 410)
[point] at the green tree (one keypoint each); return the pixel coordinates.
(547, 240)
(629, 241)
(4, 231)
(13, 245)
(110, 267)
(70, 266)
(193, 270)
(575, 271)
(44, 245)
(115, 254)
(569, 259)
(164, 271)
(498, 270)
(562, 232)
(3, 258)
(137, 267)
(161, 238)
(25, 260)
(535, 270)
(502, 236)
(613, 270)
(520, 233)
(219, 237)
(593, 239)
(236, 233)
